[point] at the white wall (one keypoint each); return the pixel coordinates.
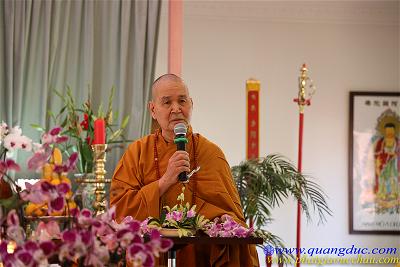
(347, 46)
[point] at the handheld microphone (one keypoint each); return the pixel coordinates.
(180, 140)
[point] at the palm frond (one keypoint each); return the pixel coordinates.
(265, 183)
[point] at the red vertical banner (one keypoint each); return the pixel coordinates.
(252, 132)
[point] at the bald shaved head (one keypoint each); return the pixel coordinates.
(162, 80)
(170, 104)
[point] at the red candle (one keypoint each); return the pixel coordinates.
(99, 132)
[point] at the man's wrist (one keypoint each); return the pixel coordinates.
(163, 185)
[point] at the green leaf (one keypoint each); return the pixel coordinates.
(265, 183)
(38, 127)
(125, 122)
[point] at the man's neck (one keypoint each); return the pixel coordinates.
(168, 136)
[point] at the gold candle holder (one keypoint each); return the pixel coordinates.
(100, 203)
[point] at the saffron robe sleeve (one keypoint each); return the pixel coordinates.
(135, 192)
(132, 195)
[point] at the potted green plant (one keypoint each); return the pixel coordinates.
(265, 183)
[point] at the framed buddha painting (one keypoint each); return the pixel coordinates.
(374, 163)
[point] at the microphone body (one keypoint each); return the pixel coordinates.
(180, 141)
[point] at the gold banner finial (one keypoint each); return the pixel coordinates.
(302, 99)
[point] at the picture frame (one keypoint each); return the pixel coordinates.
(374, 160)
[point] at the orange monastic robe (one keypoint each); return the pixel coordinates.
(135, 192)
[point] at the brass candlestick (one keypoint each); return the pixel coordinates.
(100, 203)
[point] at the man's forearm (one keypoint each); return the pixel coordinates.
(163, 185)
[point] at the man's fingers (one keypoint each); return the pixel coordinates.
(180, 156)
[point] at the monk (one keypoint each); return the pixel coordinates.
(146, 178)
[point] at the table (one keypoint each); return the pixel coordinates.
(180, 242)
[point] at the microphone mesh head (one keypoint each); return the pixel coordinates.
(180, 129)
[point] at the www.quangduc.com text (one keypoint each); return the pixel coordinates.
(337, 251)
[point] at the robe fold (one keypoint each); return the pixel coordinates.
(135, 192)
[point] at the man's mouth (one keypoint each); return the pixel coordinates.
(175, 121)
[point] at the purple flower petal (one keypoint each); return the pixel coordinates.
(38, 160)
(149, 260)
(61, 139)
(72, 161)
(155, 235)
(166, 244)
(135, 248)
(47, 247)
(87, 237)
(11, 165)
(25, 257)
(46, 186)
(63, 188)
(60, 168)
(30, 246)
(137, 239)
(69, 236)
(121, 233)
(134, 226)
(55, 131)
(28, 186)
(57, 204)
(12, 218)
(86, 213)
(3, 248)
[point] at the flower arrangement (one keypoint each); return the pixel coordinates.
(11, 139)
(78, 124)
(186, 221)
(86, 240)
(181, 217)
(227, 227)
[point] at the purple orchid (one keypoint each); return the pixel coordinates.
(227, 227)
(191, 213)
(139, 255)
(14, 139)
(69, 165)
(8, 165)
(43, 191)
(47, 231)
(53, 137)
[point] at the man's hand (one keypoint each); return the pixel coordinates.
(179, 162)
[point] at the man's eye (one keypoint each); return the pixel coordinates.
(182, 101)
(166, 102)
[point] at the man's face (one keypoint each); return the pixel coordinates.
(171, 104)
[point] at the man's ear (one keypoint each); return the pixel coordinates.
(191, 100)
(151, 109)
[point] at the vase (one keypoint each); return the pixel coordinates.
(84, 195)
(170, 232)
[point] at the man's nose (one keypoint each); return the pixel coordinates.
(176, 107)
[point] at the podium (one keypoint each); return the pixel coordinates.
(180, 242)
